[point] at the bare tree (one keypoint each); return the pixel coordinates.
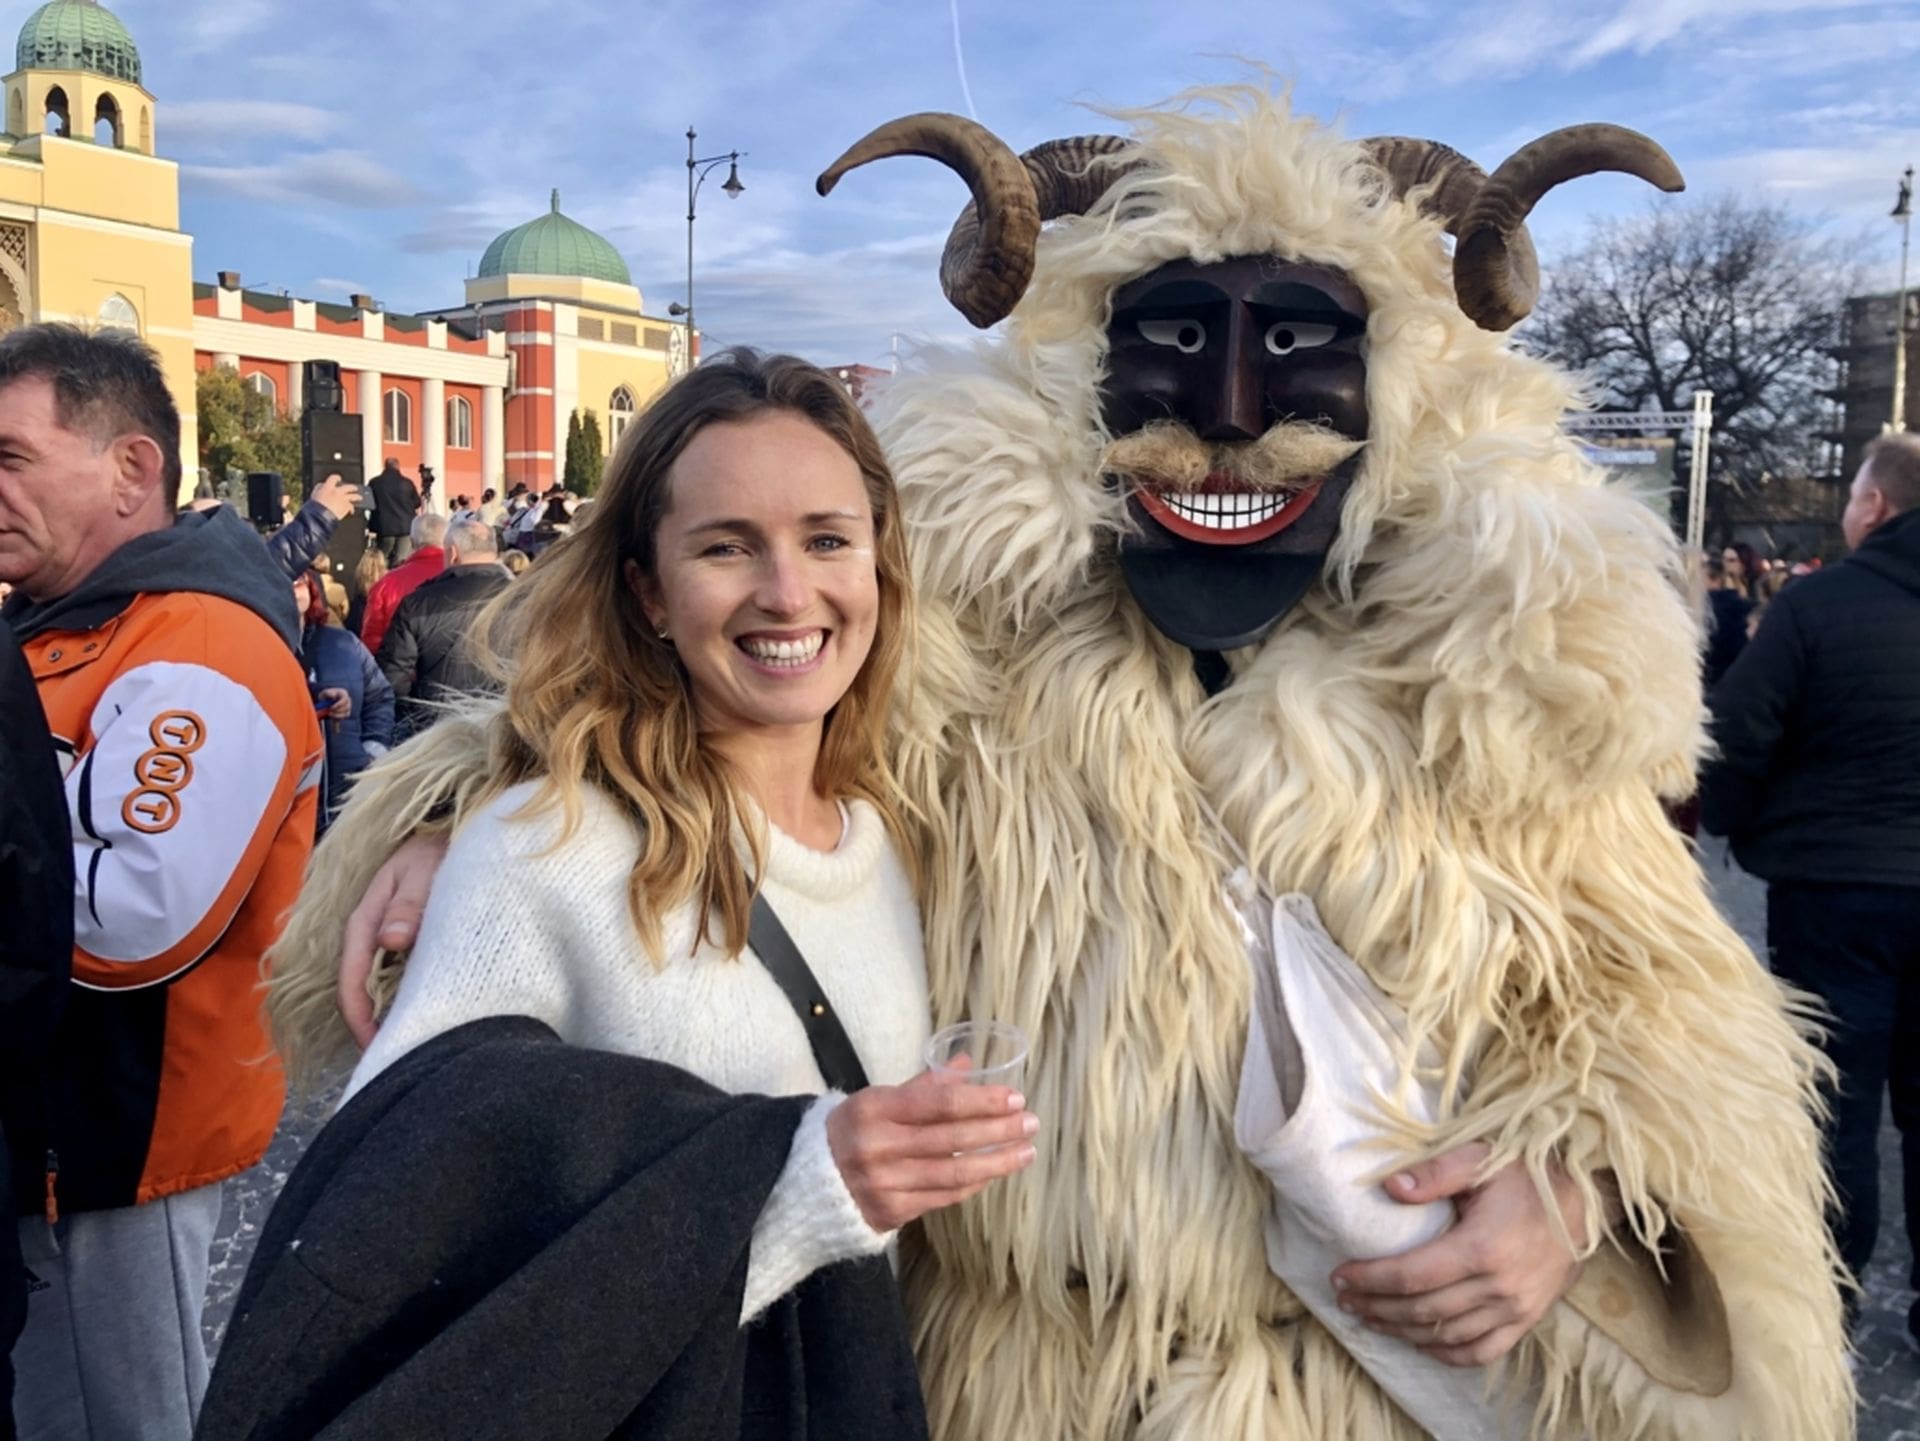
(1735, 296)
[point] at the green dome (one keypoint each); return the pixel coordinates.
(77, 35)
(554, 245)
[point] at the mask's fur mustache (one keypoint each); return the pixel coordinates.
(1167, 455)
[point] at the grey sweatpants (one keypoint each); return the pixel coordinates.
(112, 1349)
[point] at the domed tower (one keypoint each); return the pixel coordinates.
(555, 247)
(92, 227)
(578, 335)
(77, 76)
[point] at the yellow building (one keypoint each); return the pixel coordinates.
(89, 214)
(90, 234)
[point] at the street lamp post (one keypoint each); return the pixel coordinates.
(1902, 212)
(698, 168)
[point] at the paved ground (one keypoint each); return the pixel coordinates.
(1889, 1371)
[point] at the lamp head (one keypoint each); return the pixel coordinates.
(733, 187)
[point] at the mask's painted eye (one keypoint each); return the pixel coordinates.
(1185, 336)
(1291, 335)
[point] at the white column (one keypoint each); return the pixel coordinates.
(433, 441)
(371, 386)
(226, 360)
(296, 387)
(493, 438)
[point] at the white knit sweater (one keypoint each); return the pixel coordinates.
(517, 925)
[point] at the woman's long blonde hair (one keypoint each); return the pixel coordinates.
(595, 697)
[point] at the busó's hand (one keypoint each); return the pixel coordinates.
(387, 918)
(1469, 1296)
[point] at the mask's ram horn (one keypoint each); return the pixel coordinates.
(1496, 275)
(988, 258)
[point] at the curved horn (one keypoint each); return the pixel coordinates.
(986, 276)
(1066, 181)
(1409, 162)
(1495, 273)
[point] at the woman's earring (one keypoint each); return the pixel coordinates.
(661, 630)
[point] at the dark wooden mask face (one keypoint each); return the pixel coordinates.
(1221, 366)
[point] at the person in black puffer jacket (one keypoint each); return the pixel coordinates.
(1818, 788)
(424, 654)
(36, 954)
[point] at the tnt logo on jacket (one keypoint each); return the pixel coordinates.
(162, 772)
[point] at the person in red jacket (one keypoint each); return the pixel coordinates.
(163, 655)
(428, 559)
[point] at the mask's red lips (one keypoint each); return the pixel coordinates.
(1226, 511)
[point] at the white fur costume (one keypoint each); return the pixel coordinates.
(1455, 745)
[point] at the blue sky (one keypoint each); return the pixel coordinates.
(377, 145)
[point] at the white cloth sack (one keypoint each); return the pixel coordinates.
(1324, 1047)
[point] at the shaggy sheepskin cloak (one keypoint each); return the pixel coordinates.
(1456, 745)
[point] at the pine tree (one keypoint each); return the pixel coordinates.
(570, 476)
(593, 452)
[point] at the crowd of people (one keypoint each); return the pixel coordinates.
(685, 705)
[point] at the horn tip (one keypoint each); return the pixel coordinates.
(823, 186)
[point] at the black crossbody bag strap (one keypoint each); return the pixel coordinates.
(833, 1051)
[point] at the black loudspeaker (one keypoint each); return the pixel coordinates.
(323, 390)
(330, 445)
(264, 489)
(348, 544)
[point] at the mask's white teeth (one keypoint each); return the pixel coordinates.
(1225, 512)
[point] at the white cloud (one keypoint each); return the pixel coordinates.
(210, 26)
(1642, 26)
(231, 124)
(327, 178)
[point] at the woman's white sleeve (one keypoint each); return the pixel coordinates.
(499, 938)
(811, 1219)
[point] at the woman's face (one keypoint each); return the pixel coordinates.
(766, 581)
(1736, 569)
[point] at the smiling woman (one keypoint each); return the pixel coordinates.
(697, 689)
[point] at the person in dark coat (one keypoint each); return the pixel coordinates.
(1818, 789)
(490, 1242)
(424, 652)
(1727, 614)
(36, 957)
(298, 543)
(336, 661)
(396, 500)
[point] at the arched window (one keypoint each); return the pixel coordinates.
(57, 122)
(117, 313)
(262, 384)
(397, 418)
(619, 415)
(459, 424)
(106, 123)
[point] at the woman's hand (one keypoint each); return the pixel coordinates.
(339, 703)
(387, 918)
(907, 1150)
(1469, 1296)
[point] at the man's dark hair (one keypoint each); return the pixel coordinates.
(105, 385)
(1893, 464)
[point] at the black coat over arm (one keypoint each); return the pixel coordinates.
(506, 1237)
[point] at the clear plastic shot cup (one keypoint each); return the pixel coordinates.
(979, 1053)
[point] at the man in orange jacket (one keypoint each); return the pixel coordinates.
(163, 654)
